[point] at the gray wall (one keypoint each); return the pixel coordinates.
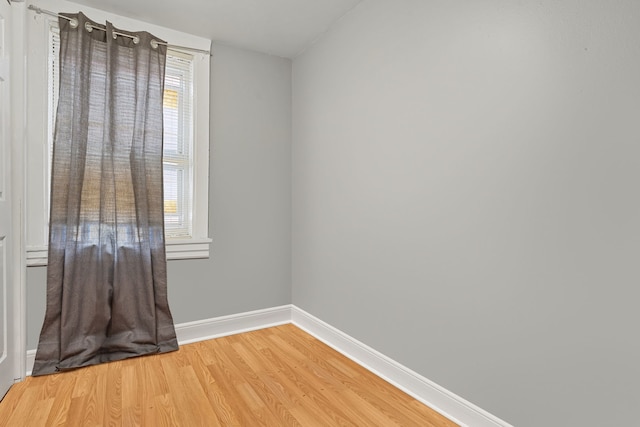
(249, 198)
(466, 198)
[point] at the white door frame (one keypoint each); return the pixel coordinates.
(18, 177)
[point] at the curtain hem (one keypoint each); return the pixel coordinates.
(54, 367)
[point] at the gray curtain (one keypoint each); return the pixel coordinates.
(106, 275)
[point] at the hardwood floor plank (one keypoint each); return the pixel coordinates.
(90, 389)
(214, 393)
(113, 406)
(374, 394)
(224, 376)
(274, 384)
(270, 391)
(97, 405)
(154, 375)
(11, 401)
(132, 393)
(278, 376)
(187, 394)
(62, 397)
(323, 403)
(40, 411)
(259, 390)
(163, 412)
(259, 411)
(29, 398)
(75, 415)
(84, 381)
(358, 408)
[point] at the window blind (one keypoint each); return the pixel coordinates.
(178, 145)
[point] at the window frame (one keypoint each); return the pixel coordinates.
(37, 181)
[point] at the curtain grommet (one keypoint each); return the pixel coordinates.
(73, 23)
(154, 44)
(136, 39)
(88, 27)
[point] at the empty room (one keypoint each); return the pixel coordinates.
(320, 212)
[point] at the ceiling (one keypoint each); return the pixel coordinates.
(278, 27)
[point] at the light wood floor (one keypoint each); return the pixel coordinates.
(278, 376)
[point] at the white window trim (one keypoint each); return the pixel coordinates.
(198, 246)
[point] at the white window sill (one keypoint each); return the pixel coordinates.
(176, 249)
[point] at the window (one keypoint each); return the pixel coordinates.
(178, 125)
(186, 145)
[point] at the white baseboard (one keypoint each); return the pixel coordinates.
(217, 327)
(31, 358)
(431, 394)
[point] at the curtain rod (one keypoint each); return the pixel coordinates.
(90, 28)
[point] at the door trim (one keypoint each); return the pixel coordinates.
(18, 156)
